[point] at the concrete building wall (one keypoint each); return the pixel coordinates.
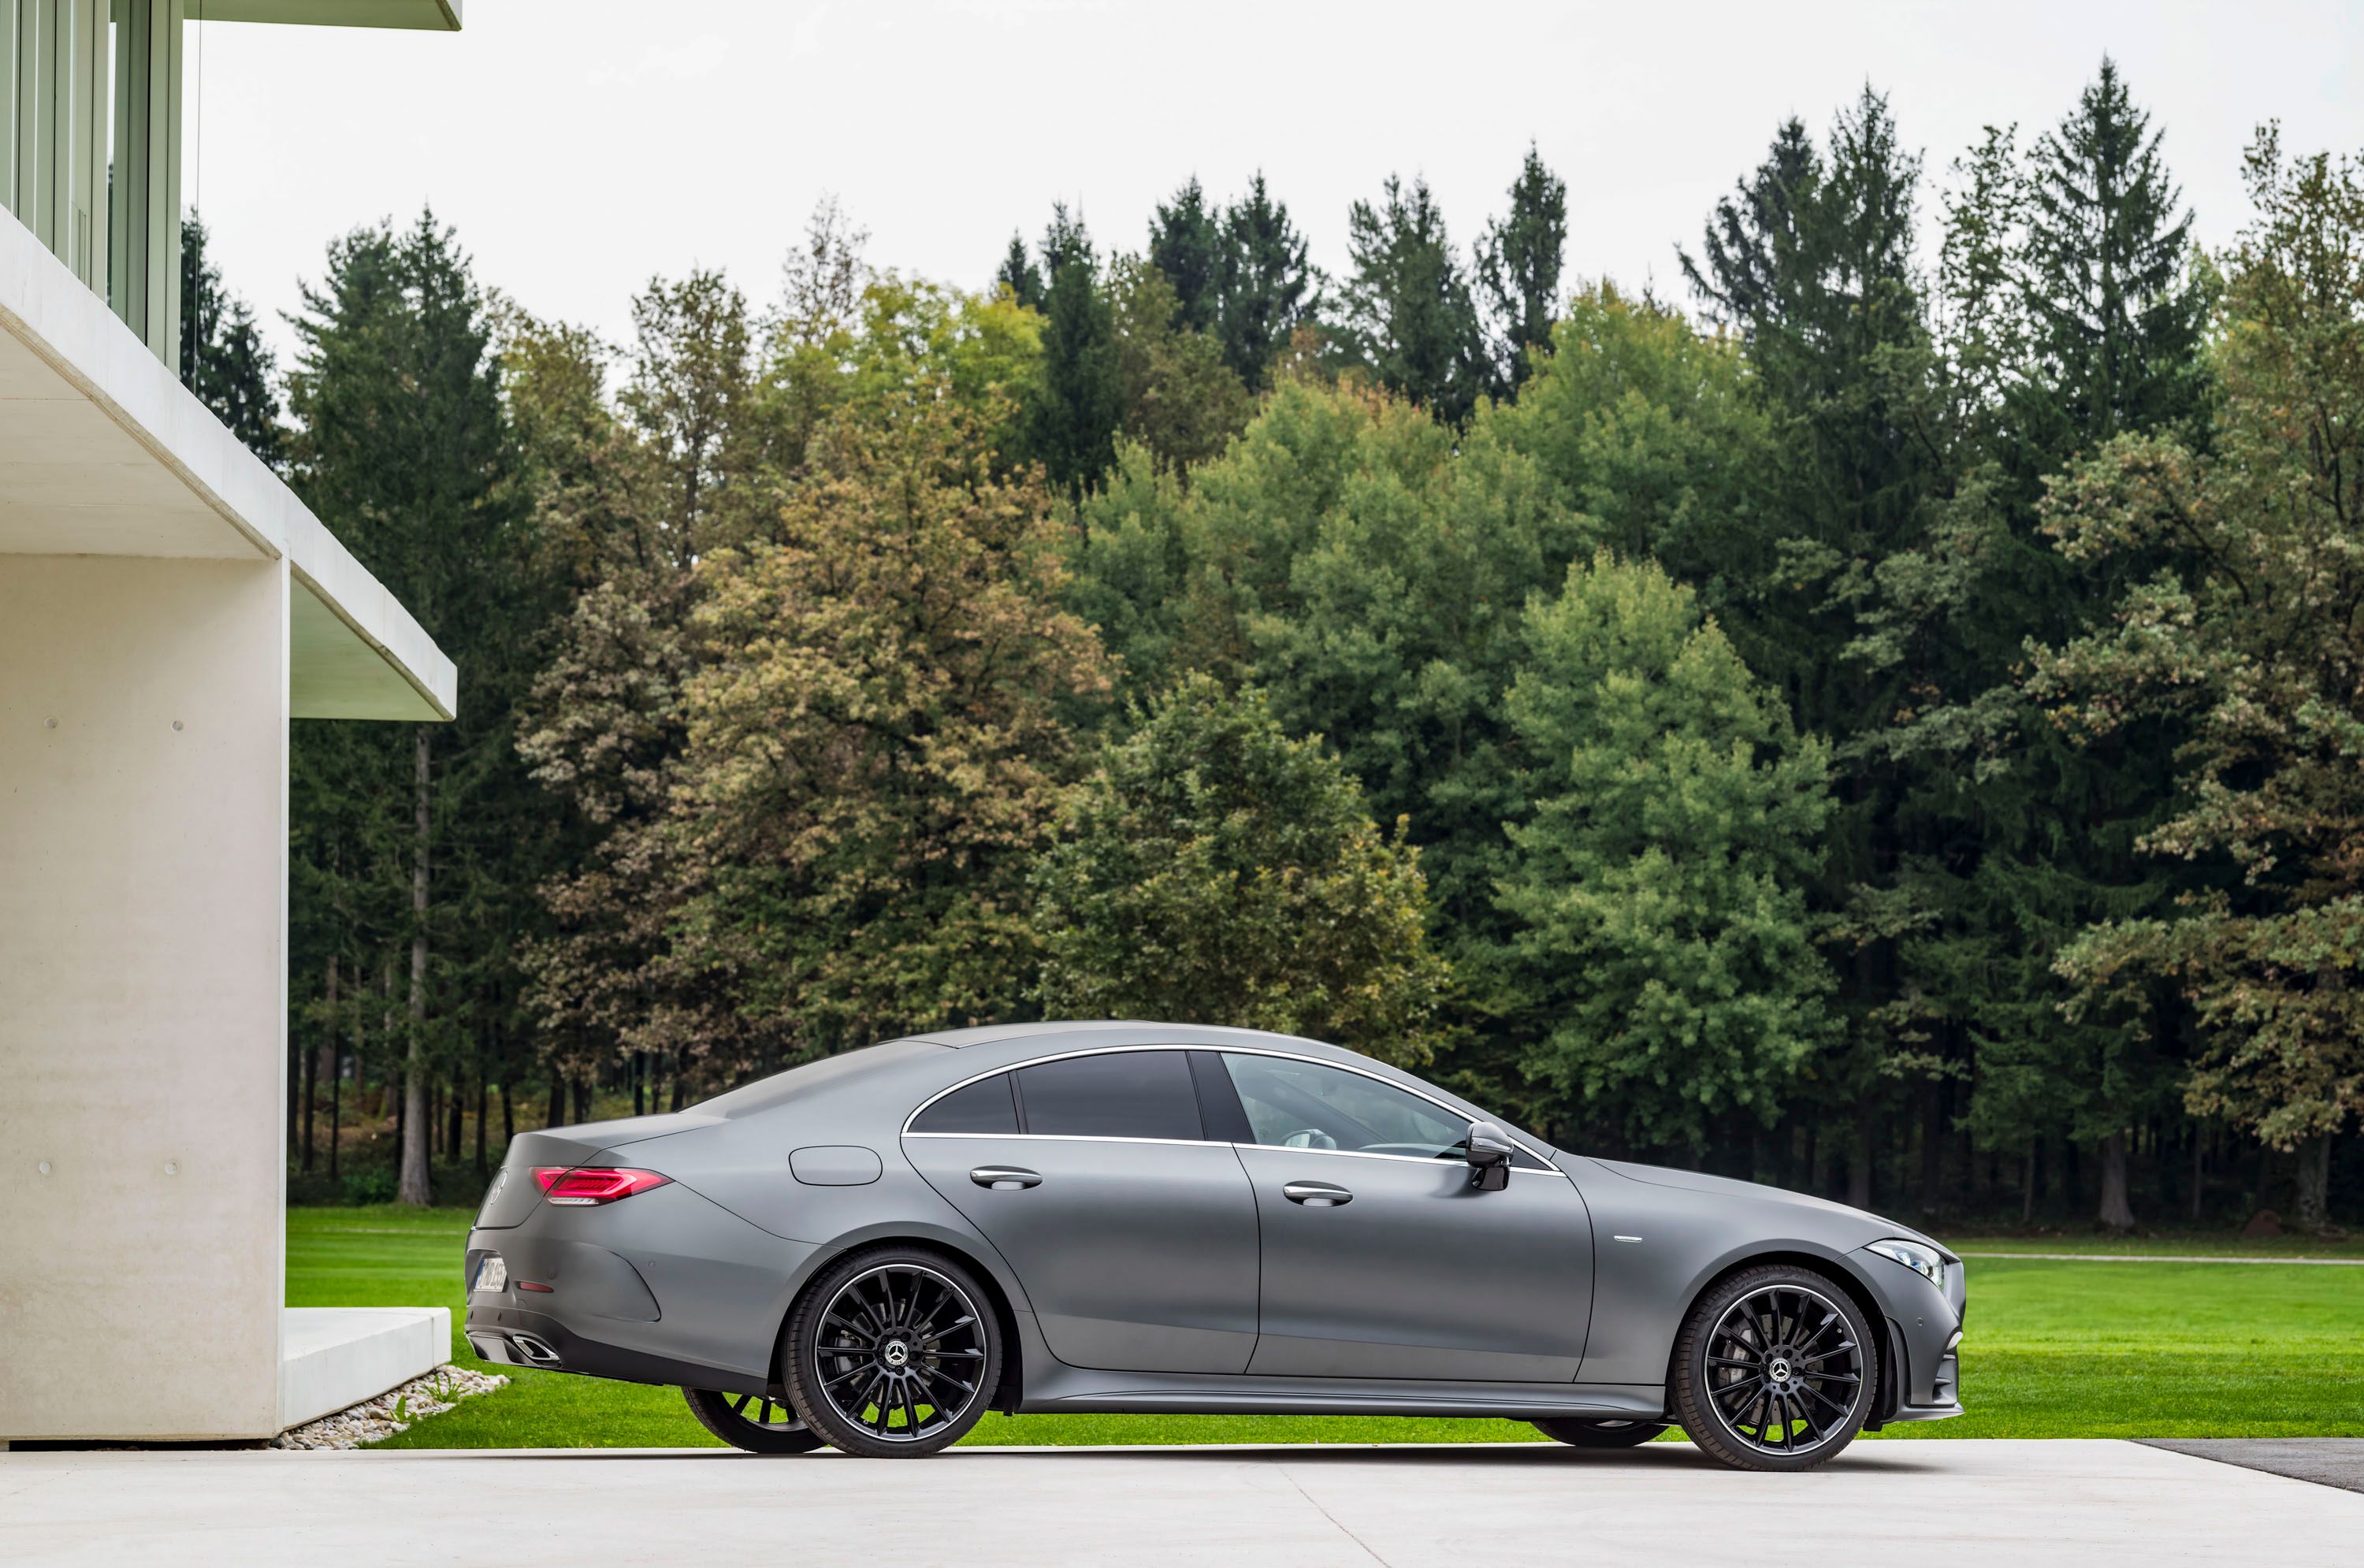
(143, 833)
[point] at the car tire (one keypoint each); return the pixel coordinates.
(1775, 1369)
(752, 1421)
(1589, 1433)
(880, 1346)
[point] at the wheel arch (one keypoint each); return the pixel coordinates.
(1012, 1387)
(1832, 1267)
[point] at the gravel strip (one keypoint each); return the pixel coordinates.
(373, 1420)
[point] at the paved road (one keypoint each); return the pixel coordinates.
(1887, 1502)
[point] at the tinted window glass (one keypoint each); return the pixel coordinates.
(1133, 1094)
(1303, 1105)
(982, 1106)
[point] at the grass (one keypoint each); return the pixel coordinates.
(2054, 1350)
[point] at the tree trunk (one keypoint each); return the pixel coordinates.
(509, 1118)
(583, 1099)
(2116, 1214)
(336, 1103)
(2199, 1168)
(1933, 1146)
(456, 1126)
(2027, 1188)
(312, 1065)
(2315, 1182)
(413, 1187)
(482, 1106)
(679, 1083)
(556, 1115)
(639, 1072)
(1860, 1167)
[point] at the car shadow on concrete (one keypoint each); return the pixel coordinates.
(1675, 1456)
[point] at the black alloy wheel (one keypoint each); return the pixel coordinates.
(892, 1353)
(755, 1422)
(1588, 1432)
(1774, 1370)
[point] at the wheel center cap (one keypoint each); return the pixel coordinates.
(894, 1352)
(1780, 1369)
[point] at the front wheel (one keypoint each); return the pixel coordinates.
(753, 1421)
(892, 1353)
(1587, 1433)
(1775, 1369)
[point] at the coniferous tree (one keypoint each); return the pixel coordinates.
(1410, 318)
(1019, 274)
(2116, 310)
(1079, 399)
(404, 449)
(223, 357)
(1269, 289)
(1186, 243)
(1519, 267)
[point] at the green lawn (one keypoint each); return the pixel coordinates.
(2054, 1350)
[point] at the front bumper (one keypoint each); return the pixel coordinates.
(1923, 1379)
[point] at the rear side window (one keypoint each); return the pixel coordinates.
(983, 1106)
(1129, 1094)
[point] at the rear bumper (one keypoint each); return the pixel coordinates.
(511, 1336)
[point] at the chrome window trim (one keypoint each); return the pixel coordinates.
(1231, 1050)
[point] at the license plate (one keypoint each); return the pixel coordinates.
(492, 1273)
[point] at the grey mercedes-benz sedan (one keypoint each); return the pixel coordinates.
(871, 1251)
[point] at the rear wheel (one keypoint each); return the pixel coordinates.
(753, 1421)
(892, 1353)
(1587, 1433)
(1774, 1370)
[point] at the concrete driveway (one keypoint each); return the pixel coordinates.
(2022, 1503)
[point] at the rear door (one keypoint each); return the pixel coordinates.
(1381, 1259)
(1135, 1237)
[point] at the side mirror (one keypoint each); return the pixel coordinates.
(1490, 1157)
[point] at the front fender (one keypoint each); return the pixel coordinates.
(1659, 1247)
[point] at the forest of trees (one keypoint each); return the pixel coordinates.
(1888, 721)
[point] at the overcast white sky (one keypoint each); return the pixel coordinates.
(581, 146)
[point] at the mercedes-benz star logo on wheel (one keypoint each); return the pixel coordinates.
(894, 1352)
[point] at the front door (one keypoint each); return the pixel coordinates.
(1134, 1239)
(1381, 1260)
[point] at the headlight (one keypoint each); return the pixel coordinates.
(1926, 1262)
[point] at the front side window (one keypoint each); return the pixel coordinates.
(1125, 1093)
(1304, 1105)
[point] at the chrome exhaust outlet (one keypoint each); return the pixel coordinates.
(535, 1351)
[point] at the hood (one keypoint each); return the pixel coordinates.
(1700, 1181)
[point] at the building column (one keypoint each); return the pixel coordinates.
(143, 845)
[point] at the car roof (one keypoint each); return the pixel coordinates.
(1145, 1032)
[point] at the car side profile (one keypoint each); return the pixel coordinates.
(871, 1251)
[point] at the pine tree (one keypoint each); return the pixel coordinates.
(1269, 289)
(1410, 315)
(1019, 274)
(223, 357)
(1079, 400)
(1186, 243)
(404, 449)
(1519, 268)
(2116, 308)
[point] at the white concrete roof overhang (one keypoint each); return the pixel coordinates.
(433, 15)
(104, 453)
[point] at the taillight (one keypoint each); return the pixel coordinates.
(586, 1184)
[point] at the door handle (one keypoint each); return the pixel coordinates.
(1317, 1194)
(1005, 1178)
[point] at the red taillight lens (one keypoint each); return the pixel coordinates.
(587, 1184)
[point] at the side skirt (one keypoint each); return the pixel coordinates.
(1120, 1393)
